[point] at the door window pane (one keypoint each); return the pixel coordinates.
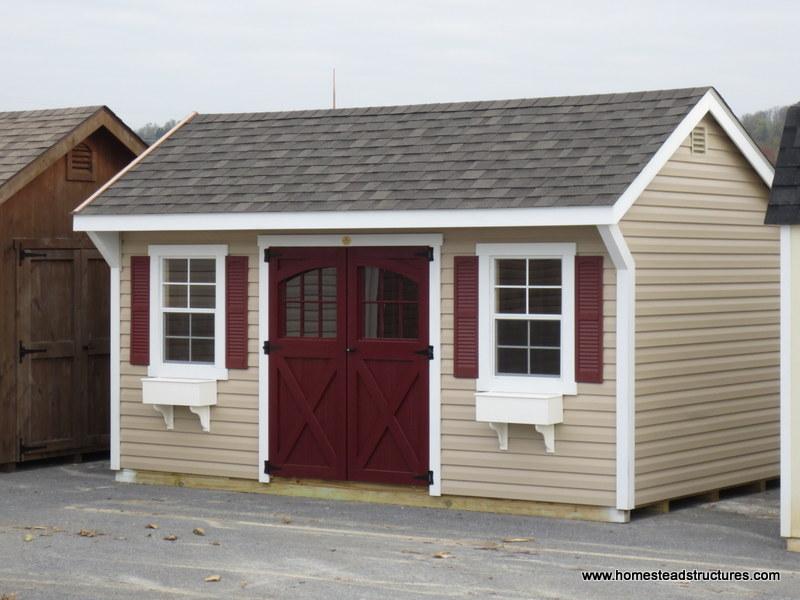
(390, 305)
(309, 304)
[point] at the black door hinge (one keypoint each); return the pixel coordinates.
(25, 448)
(427, 253)
(269, 253)
(270, 468)
(425, 476)
(23, 351)
(426, 352)
(265, 347)
(25, 253)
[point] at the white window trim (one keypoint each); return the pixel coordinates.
(159, 368)
(488, 381)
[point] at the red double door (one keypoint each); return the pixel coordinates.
(348, 364)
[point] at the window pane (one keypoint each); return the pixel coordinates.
(391, 321)
(203, 270)
(175, 296)
(311, 285)
(512, 361)
(410, 314)
(544, 301)
(292, 315)
(203, 325)
(203, 296)
(311, 319)
(545, 362)
(391, 285)
(329, 283)
(512, 333)
(176, 349)
(329, 320)
(176, 324)
(545, 333)
(511, 271)
(510, 300)
(291, 288)
(544, 272)
(202, 351)
(371, 279)
(176, 270)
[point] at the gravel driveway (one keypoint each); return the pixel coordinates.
(70, 531)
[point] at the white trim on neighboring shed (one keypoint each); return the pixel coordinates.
(434, 319)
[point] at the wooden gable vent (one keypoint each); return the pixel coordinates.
(80, 164)
(698, 140)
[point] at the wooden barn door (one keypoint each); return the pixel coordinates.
(307, 377)
(62, 350)
(348, 364)
(387, 370)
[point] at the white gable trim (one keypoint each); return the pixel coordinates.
(710, 103)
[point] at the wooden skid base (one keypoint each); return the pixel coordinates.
(793, 544)
(8, 468)
(664, 506)
(379, 494)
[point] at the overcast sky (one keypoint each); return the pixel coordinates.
(151, 61)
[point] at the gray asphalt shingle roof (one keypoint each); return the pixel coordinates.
(565, 151)
(25, 135)
(784, 199)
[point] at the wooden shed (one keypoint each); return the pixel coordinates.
(553, 305)
(54, 303)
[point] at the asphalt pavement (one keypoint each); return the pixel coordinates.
(71, 532)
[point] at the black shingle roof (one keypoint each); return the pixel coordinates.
(25, 135)
(784, 199)
(567, 151)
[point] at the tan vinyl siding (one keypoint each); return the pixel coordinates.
(582, 470)
(230, 449)
(707, 324)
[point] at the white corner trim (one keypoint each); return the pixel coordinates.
(158, 367)
(787, 527)
(709, 103)
(263, 364)
(110, 247)
(350, 220)
(625, 356)
(134, 162)
(435, 325)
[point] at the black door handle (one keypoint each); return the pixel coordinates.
(350, 350)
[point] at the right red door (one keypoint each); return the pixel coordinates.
(348, 364)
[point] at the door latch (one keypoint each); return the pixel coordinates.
(426, 352)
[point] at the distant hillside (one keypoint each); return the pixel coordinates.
(152, 131)
(766, 127)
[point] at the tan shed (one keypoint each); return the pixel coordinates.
(563, 306)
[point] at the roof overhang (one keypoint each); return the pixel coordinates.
(710, 103)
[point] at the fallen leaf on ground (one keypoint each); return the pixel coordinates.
(87, 533)
(442, 555)
(517, 540)
(488, 546)
(212, 578)
(286, 520)
(170, 538)
(215, 543)
(42, 527)
(8, 597)
(199, 531)
(27, 538)
(151, 526)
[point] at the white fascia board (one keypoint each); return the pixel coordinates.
(709, 103)
(350, 220)
(787, 527)
(626, 361)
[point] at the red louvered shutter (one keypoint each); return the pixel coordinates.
(140, 310)
(465, 356)
(589, 319)
(236, 312)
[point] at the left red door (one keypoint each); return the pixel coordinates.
(307, 365)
